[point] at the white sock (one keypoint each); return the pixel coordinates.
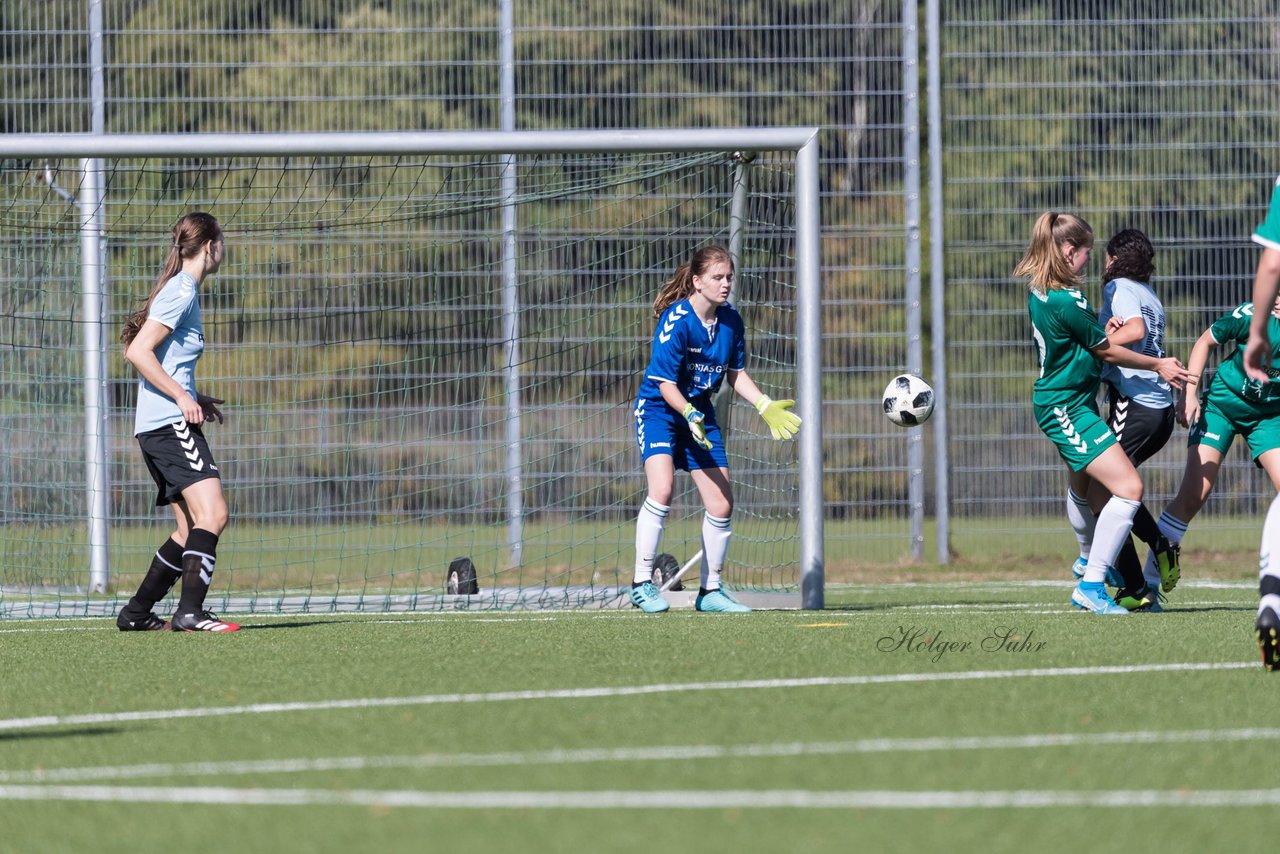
(649, 523)
(1082, 521)
(1269, 556)
(715, 545)
(1172, 529)
(1114, 523)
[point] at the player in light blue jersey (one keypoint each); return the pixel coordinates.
(163, 341)
(1260, 366)
(1140, 406)
(699, 344)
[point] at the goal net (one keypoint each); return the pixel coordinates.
(428, 361)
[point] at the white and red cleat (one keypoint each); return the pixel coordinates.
(202, 621)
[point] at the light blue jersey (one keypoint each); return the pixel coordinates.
(1129, 298)
(691, 355)
(177, 306)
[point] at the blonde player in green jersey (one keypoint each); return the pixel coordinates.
(1071, 346)
(1262, 365)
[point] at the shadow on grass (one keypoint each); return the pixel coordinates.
(58, 733)
(296, 624)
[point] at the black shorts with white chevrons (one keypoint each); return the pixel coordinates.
(1140, 430)
(177, 456)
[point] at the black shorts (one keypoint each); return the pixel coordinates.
(1140, 430)
(177, 456)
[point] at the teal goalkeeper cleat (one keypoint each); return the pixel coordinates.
(647, 598)
(1094, 599)
(1077, 568)
(719, 601)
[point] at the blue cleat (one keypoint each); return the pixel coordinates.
(647, 598)
(1094, 599)
(719, 601)
(1113, 578)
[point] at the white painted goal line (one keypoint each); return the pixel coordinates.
(102, 718)
(658, 753)
(664, 799)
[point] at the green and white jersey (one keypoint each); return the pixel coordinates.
(1065, 329)
(1234, 326)
(1268, 233)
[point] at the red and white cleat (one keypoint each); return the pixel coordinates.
(202, 621)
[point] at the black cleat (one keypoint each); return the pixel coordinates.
(1268, 631)
(201, 621)
(148, 622)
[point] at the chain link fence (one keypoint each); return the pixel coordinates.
(1161, 116)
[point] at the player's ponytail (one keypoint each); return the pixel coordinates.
(680, 285)
(1043, 265)
(1131, 257)
(190, 234)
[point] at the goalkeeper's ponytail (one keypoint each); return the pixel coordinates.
(680, 285)
(190, 233)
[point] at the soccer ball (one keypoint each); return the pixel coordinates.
(908, 400)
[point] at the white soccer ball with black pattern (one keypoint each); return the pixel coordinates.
(908, 400)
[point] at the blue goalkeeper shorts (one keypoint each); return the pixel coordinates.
(662, 430)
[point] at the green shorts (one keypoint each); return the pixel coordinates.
(1226, 415)
(1079, 432)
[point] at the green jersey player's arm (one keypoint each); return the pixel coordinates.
(1266, 288)
(1169, 368)
(1187, 406)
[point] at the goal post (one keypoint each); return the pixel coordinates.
(377, 434)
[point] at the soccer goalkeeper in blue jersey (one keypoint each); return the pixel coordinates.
(698, 344)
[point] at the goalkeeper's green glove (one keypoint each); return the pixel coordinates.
(695, 419)
(783, 423)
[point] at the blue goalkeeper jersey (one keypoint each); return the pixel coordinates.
(692, 355)
(177, 306)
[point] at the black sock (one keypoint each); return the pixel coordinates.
(1145, 527)
(197, 569)
(164, 572)
(1268, 584)
(1129, 567)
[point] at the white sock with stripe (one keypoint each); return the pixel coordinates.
(1114, 523)
(1269, 559)
(715, 545)
(649, 524)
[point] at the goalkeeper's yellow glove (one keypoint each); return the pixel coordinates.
(783, 423)
(695, 419)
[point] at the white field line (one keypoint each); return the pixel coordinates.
(666, 799)
(607, 692)
(660, 753)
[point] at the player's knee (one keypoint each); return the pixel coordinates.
(660, 496)
(722, 507)
(1130, 489)
(213, 519)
